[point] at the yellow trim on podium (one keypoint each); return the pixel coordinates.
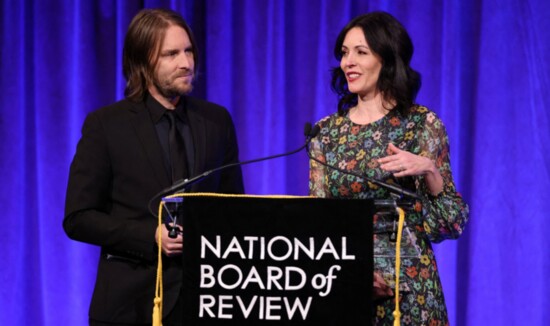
(157, 302)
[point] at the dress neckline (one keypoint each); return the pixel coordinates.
(390, 114)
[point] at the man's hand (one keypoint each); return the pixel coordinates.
(170, 246)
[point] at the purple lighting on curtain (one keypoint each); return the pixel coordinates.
(485, 71)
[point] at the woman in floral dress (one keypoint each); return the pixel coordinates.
(381, 133)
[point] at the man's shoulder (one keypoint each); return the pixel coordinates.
(198, 104)
(205, 108)
(115, 114)
(119, 106)
(122, 109)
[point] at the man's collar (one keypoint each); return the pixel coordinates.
(157, 110)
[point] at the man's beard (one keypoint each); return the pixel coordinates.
(168, 89)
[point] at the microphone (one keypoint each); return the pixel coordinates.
(184, 184)
(311, 132)
(400, 191)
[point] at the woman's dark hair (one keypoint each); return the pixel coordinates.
(387, 38)
(142, 48)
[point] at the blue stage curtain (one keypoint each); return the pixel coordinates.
(486, 72)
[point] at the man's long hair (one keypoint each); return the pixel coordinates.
(386, 37)
(142, 48)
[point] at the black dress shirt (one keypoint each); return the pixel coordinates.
(162, 125)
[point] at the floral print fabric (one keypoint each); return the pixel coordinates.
(355, 148)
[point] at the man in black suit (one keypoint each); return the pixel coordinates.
(125, 157)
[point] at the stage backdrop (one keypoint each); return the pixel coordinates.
(486, 72)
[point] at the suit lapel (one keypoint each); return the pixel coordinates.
(199, 132)
(147, 135)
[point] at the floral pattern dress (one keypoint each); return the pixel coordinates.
(356, 148)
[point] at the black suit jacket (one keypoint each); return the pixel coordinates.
(118, 167)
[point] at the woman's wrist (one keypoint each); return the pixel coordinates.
(433, 179)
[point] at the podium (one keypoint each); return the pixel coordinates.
(254, 260)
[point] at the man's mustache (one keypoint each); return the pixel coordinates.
(185, 73)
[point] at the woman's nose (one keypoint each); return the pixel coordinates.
(349, 60)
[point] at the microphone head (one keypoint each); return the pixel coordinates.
(307, 129)
(315, 131)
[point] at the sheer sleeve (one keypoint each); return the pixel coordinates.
(446, 214)
(317, 173)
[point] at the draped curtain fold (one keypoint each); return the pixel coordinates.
(485, 71)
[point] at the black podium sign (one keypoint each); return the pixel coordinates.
(277, 261)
